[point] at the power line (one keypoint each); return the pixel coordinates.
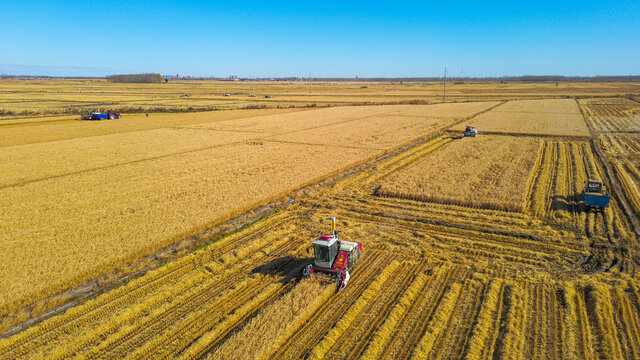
(444, 84)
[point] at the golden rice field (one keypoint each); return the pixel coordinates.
(533, 117)
(612, 114)
(49, 129)
(526, 273)
(487, 172)
(27, 98)
(616, 125)
(74, 209)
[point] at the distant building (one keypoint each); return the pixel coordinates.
(231, 78)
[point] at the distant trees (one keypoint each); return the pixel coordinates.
(135, 78)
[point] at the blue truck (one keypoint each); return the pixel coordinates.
(595, 196)
(111, 114)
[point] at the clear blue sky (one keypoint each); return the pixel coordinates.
(324, 38)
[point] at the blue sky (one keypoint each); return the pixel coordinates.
(322, 38)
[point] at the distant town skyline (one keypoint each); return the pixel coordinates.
(331, 39)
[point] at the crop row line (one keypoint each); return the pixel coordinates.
(361, 341)
(424, 318)
(177, 315)
(308, 335)
(347, 330)
(185, 303)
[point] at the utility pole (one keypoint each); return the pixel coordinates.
(444, 83)
(309, 82)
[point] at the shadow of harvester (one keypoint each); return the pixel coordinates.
(286, 267)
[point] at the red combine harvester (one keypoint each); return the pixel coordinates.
(333, 258)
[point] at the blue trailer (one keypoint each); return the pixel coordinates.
(595, 196)
(111, 114)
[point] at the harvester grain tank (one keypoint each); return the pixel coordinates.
(333, 258)
(470, 131)
(595, 195)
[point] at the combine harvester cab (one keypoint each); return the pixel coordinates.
(112, 114)
(333, 258)
(595, 196)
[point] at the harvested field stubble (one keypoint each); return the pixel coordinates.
(273, 323)
(549, 280)
(21, 98)
(611, 114)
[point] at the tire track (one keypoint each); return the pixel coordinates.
(425, 317)
(354, 335)
(302, 341)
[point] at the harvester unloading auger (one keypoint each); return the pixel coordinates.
(333, 258)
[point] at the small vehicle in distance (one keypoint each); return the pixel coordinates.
(470, 131)
(95, 115)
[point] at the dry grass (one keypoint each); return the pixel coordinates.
(622, 151)
(400, 310)
(611, 114)
(84, 205)
(320, 350)
(100, 201)
(358, 126)
(480, 339)
(65, 231)
(55, 128)
(258, 336)
(42, 161)
(533, 117)
(435, 280)
(439, 323)
(50, 97)
(399, 124)
(491, 172)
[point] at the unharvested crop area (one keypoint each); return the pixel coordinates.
(534, 117)
(49, 129)
(488, 172)
(20, 99)
(438, 279)
(74, 209)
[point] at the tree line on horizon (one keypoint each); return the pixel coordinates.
(155, 78)
(135, 78)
